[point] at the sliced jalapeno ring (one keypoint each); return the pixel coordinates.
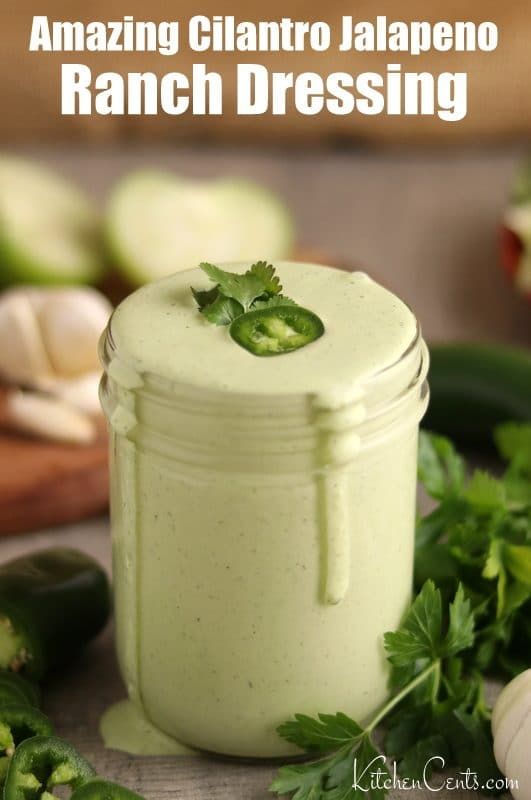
(42, 763)
(99, 789)
(19, 722)
(278, 330)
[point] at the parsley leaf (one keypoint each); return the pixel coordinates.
(419, 636)
(325, 733)
(513, 441)
(480, 536)
(441, 469)
(484, 492)
(460, 635)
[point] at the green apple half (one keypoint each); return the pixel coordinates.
(158, 224)
(49, 230)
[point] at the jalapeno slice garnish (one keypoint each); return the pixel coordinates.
(277, 330)
(98, 789)
(42, 763)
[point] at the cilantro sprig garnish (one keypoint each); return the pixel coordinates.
(234, 295)
(262, 320)
(470, 618)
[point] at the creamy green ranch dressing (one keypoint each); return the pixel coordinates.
(252, 494)
(159, 330)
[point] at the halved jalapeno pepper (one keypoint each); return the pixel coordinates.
(99, 789)
(42, 763)
(277, 330)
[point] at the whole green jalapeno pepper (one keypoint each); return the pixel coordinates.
(51, 604)
(16, 689)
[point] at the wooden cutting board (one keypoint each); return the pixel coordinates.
(46, 483)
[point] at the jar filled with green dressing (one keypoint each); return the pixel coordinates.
(262, 508)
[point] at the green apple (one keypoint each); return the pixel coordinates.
(49, 230)
(158, 224)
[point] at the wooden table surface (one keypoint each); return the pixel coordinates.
(426, 225)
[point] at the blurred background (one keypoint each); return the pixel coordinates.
(434, 210)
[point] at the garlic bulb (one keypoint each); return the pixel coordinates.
(49, 343)
(511, 729)
(23, 357)
(71, 322)
(47, 417)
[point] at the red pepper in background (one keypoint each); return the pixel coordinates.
(515, 235)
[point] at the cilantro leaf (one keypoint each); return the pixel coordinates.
(419, 636)
(266, 274)
(205, 297)
(222, 311)
(271, 302)
(441, 468)
(242, 288)
(245, 289)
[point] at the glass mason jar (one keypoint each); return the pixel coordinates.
(262, 545)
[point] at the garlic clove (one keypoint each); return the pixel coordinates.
(518, 763)
(23, 357)
(71, 322)
(511, 728)
(47, 417)
(81, 393)
(508, 695)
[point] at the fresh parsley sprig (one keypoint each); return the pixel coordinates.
(479, 536)
(431, 713)
(233, 295)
